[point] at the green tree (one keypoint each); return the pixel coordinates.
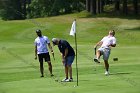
(12, 10)
(135, 4)
(125, 7)
(41, 8)
(117, 5)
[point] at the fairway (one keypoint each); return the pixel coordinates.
(19, 72)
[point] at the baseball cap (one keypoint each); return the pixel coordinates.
(54, 40)
(38, 31)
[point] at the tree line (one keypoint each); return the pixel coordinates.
(98, 6)
(22, 9)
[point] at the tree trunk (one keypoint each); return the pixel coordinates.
(125, 7)
(88, 5)
(93, 6)
(24, 8)
(102, 5)
(107, 2)
(99, 6)
(18, 8)
(117, 5)
(135, 4)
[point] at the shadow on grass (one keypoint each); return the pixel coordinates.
(85, 80)
(27, 67)
(134, 29)
(109, 15)
(120, 73)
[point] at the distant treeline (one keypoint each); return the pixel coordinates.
(119, 6)
(22, 9)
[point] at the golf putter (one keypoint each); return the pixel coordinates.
(95, 51)
(94, 54)
(96, 61)
(93, 59)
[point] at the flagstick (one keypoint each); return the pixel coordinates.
(76, 53)
(73, 33)
(76, 58)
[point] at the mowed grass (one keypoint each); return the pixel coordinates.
(19, 72)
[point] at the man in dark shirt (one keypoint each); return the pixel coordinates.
(68, 55)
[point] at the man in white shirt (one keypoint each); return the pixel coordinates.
(106, 43)
(41, 50)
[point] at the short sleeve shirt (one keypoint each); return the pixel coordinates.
(108, 40)
(41, 43)
(63, 44)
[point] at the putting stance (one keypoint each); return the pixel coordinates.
(68, 55)
(106, 43)
(42, 51)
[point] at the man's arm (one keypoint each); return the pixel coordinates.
(63, 59)
(35, 52)
(51, 50)
(113, 45)
(50, 47)
(98, 44)
(64, 56)
(66, 52)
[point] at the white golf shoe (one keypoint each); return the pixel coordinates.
(65, 80)
(71, 80)
(106, 73)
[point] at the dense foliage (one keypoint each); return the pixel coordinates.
(22, 9)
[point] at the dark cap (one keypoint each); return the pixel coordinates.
(38, 31)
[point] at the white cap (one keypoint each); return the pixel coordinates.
(54, 40)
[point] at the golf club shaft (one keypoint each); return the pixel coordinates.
(95, 51)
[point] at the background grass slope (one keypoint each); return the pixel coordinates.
(19, 72)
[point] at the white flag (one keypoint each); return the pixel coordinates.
(73, 28)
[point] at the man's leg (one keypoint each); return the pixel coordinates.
(98, 54)
(66, 71)
(47, 59)
(50, 68)
(41, 69)
(70, 71)
(106, 65)
(106, 57)
(66, 74)
(70, 60)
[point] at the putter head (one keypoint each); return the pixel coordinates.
(115, 59)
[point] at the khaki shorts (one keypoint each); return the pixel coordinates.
(105, 52)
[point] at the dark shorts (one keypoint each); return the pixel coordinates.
(44, 56)
(69, 60)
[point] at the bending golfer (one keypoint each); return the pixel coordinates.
(68, 55)
(41, 49)
(106, 43)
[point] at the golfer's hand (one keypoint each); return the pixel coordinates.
(63, 61)
(109, 46)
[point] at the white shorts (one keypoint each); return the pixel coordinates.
(105, 52)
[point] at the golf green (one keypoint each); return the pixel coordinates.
(19, 72)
